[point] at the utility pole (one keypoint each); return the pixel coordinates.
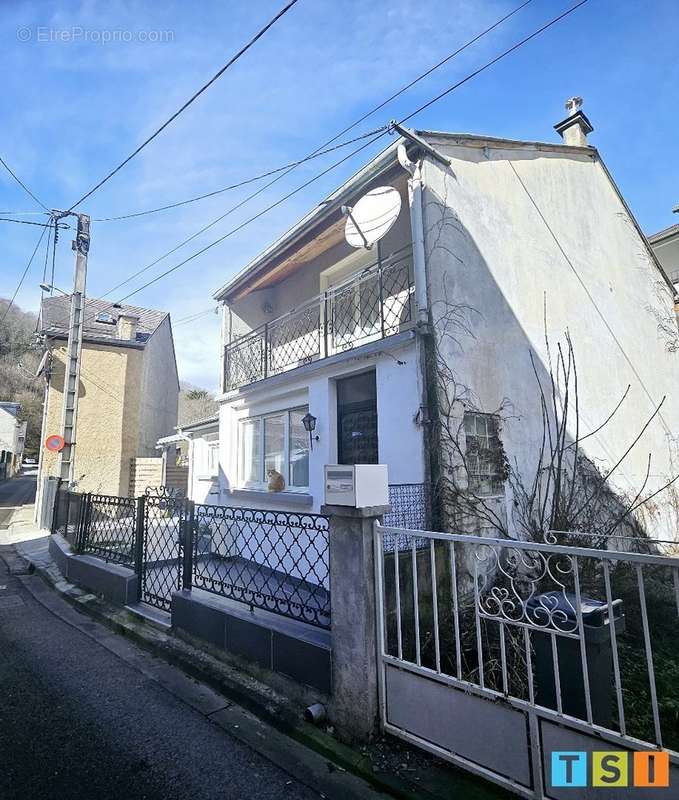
(69, 414)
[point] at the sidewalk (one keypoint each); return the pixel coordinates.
(386, 767)
(18, 525)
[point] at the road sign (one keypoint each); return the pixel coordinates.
(54, 443)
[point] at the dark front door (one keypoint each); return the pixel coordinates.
(357, 419)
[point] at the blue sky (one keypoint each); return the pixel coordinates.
(71, 110)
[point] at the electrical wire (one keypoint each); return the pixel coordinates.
(23, 277)
(320, 150)
(198, 315)
(452, 88)
(317, 151)
(22, 184)
(29, 222)
(245, 182)
(194, 97)
(502, 55)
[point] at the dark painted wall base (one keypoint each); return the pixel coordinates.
(114, 583)
(292, 648)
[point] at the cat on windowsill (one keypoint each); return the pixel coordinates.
(276, 481)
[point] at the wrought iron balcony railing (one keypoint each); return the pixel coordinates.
(376, 303)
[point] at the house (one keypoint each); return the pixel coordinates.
(12, 438)
(127, 395)
(442, 350)
(197, 444)
(665, 244)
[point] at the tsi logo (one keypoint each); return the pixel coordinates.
(570, 768)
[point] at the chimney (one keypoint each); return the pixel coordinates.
(574, 129)
(127, 326)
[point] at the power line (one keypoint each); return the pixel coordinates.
(29, 222)
(197, 94)
(23, 185)
(198, 315)
(317, 151)
(291, 165)
(21, 280)
(320, 151)
(481, 69)
(495, 60)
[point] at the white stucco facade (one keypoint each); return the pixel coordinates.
(399, 435)
(527, 243)
(537, 237)
(12, 438)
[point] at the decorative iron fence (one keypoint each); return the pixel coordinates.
(267, 559)
(109, 527)
(549, 634)
(166, 519)
(273, 560)
(372, 305)
(67, 517)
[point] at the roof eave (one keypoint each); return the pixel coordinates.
(379, 164)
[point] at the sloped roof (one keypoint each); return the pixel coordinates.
(56, 310)
(665, 233)
(199, 423)
(377, 166)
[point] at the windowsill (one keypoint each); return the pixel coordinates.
(291, 498)
(207, 477)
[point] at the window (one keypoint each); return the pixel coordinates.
(213, 459)
(275, 442)
(484, 454)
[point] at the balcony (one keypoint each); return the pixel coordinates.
(371, 305)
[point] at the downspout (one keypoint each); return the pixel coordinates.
(424, 341)
(415, 185)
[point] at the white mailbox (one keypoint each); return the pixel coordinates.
(357, 485)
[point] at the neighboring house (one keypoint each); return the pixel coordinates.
(500, 245)
(197, 443)
(665, 245)
(128, 389)
(12, 438)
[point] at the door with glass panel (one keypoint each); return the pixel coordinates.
(357, 419)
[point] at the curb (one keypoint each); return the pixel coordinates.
(261, 702)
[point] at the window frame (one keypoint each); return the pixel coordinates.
(496, 478)
(262, 483)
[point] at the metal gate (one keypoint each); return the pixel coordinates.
(163, 521)
(494, 653)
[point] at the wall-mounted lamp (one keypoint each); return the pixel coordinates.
(309, 422)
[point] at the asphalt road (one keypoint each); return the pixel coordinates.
(77, 722)
(18, 491)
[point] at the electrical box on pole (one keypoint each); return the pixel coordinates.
(81, 245)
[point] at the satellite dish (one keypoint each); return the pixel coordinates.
(372, 216)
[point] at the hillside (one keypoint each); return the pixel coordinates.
(18, 363)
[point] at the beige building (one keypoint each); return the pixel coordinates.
(127, 394)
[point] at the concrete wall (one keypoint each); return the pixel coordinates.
(108, 416)
(159, 390)
(493, 256)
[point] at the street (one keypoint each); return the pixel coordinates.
(79, 721)
(17, 491)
